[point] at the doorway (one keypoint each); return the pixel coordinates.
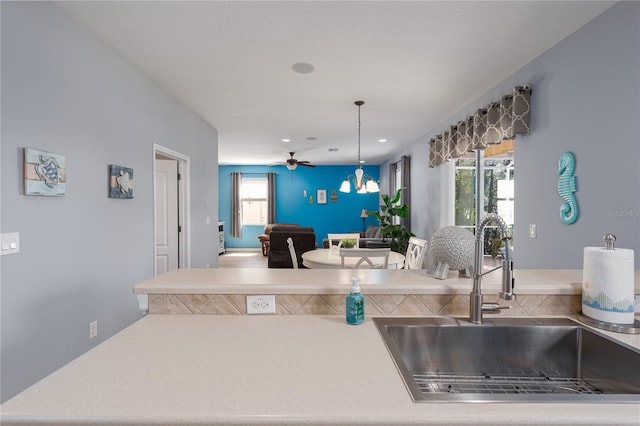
(171, 210)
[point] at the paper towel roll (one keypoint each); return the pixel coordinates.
(607, 285)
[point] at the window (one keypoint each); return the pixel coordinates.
(253, 196)
(497, 193)
(398, 184)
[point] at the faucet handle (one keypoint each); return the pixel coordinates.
(493, 307)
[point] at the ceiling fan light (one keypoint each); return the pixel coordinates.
(292, 167)
(345, 187)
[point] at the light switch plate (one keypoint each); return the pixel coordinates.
(93, 329)
(10, 243)
(533, 232)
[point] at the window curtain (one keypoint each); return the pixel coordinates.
(405, 164)
(491, 125)
(236, 205)
(392, 178)
(271, 198)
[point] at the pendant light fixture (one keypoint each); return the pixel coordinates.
(363, 183)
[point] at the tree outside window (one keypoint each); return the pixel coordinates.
(497, 194)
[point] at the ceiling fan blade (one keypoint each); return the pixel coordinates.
(305, 163)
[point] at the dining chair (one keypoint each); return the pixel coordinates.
(335, 240)
(292, 251)
(365, 257)
(416, 251)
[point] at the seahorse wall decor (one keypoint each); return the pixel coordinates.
(567, 187)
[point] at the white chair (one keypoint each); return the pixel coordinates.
(335, 240)
(365, 257)
(416, 250)
(292, 252)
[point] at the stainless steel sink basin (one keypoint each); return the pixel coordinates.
(444, 359)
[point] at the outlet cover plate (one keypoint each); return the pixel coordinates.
(10, 243)
(93, 329)
(261, 304)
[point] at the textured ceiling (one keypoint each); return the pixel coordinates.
(413, 63)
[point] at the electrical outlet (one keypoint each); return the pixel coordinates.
(533, 232)
(261, 304)
(93, 329)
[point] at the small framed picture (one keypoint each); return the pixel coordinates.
(321, 196)
(120, 182)
(45, 173)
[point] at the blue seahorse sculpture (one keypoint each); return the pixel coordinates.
(567, 186)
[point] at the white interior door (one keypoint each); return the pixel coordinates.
(166, 216)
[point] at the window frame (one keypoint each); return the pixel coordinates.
(509, 171)
(263, 202)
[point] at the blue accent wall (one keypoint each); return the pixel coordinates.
(342, 215)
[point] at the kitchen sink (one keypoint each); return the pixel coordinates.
(445, 359)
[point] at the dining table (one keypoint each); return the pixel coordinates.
(330, 259)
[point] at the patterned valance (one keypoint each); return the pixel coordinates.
(491, 125)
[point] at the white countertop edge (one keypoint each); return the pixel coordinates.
(545, 415)
(336, 281)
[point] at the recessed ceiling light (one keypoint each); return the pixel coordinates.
(302, 68)
(382, 140)
(286, 140)
(311, 138)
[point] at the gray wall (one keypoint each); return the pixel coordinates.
(65, 92)
(586, 99)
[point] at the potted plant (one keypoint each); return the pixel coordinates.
(348, 243)
(398, 234)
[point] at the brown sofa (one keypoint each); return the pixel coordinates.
(304, 239)
(264, 238)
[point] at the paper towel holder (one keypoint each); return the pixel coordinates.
(609, 241)
(610, 326)
(609, 244)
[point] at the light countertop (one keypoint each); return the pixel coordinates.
(310, 369)
(337, 281)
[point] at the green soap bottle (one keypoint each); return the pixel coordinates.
(355, 303)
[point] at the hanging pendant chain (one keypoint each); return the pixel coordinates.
(359, 136)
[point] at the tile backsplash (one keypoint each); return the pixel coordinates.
(378, 304)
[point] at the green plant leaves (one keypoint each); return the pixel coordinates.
(397, 234)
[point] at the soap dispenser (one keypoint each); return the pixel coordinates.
(355, 303)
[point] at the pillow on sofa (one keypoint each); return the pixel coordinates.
(373, 232)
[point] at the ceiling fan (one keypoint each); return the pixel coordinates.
(292, 163)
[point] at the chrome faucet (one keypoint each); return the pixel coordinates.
(476, 307)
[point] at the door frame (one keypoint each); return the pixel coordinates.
(184, 213)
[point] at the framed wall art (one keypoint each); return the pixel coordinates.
(120, 182)
(321, 196)
(45, 173)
